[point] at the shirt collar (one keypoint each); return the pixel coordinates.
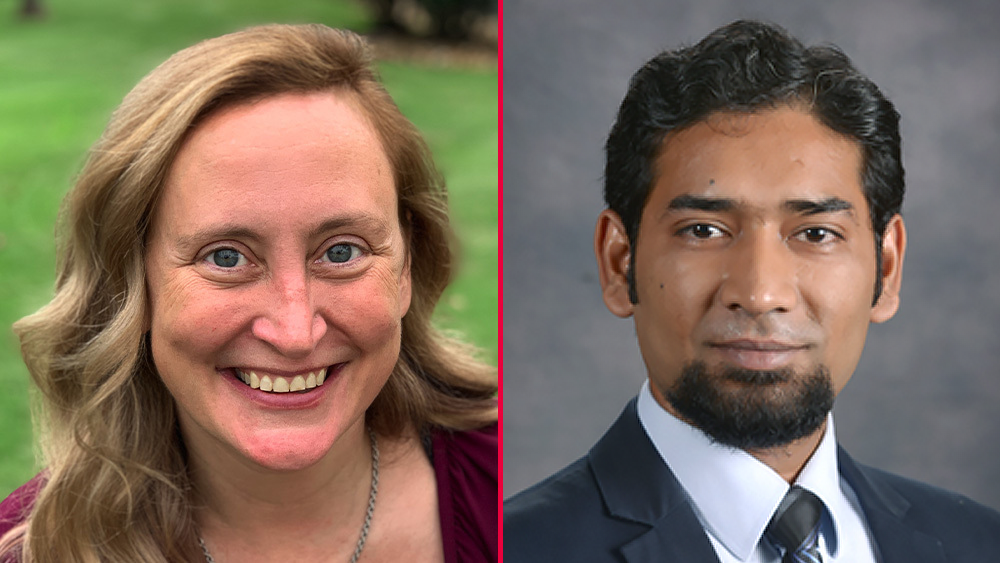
(717, 478)
(821, 475)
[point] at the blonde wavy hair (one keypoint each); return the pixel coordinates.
(116, 486)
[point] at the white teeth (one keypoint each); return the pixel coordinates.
(278, 384)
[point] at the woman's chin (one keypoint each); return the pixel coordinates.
(285, 450)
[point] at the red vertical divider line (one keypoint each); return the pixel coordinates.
(500, 268)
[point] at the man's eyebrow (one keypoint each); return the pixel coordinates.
(810, 207)
(688, 202)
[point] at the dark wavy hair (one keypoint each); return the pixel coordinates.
(745, 67)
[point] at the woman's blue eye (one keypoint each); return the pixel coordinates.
(226, 258)
(340, 253)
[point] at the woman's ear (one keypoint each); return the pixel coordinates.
(893, 249)
(405, 286)
(614, 258)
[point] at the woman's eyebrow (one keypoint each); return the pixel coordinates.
(218, 232)
(366, 222)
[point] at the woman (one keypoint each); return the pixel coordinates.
(239, 363)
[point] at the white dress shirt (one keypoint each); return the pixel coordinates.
(734, 494)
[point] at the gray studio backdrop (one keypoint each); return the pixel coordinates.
(923, 402)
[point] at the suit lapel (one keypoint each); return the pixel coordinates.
(885, 511)
(677, 538)
(637, 486)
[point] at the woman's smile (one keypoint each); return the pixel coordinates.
(279, 383)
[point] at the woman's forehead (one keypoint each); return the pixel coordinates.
(331, 121)
(289, 158)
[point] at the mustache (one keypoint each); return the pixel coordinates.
(763, 329)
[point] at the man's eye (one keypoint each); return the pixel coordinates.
(818, 235)
(342, 252)
(227, 258)
(702, 231)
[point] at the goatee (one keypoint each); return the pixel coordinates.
(751, 409)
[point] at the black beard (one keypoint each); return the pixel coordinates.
(753, 410)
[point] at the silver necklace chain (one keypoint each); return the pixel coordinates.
(368, 513)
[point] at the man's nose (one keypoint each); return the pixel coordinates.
(289, 320)
(760, 275)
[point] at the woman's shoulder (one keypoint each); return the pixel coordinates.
(15, 508)
(469, 458)
(476, 448)
(466, 467)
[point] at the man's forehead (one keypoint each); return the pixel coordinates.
(740, 123)
(777, 156)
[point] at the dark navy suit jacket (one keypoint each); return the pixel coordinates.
(621, 503)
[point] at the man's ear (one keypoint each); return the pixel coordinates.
(614, 257)
(893, 249)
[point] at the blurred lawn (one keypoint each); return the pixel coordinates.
(61, 77)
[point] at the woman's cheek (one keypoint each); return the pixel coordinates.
(368, 311)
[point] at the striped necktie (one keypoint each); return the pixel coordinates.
(795, 526)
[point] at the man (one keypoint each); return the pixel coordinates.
(753, 232)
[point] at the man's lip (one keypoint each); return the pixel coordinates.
(758, 345)
(756, 354)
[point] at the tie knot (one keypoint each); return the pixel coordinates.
(793, 526)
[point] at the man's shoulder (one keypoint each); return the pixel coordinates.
(562, 518)
(964, 528)
(925, 502)
(597, 506)
(560, 494)
(543, 523)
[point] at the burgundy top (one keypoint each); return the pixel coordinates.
(465, 464)
(468, 496)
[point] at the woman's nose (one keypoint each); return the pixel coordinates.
(289, 320)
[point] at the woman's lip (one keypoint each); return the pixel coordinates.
(284, 372)
(284, 401)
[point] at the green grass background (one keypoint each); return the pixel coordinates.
(60, 77)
